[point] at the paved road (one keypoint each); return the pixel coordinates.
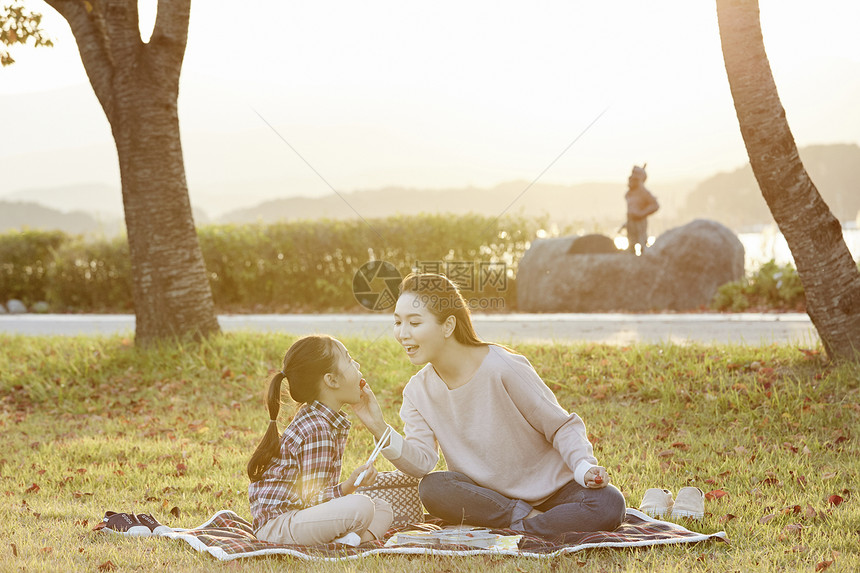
(621, 329)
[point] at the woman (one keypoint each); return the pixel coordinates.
(516, 459)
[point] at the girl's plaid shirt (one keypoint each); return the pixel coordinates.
(306, 471)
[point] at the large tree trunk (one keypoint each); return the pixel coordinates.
(825, 266)
(138, 86)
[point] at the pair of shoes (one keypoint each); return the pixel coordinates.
(130, 524)
(658, 503)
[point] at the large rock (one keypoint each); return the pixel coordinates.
(681, 271)
(15, 306)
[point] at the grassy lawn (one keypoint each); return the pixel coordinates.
(92, 424)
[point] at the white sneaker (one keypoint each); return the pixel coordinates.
(352, 538)
(690, 503)
(656, 502)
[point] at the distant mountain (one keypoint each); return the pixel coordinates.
(15, 216)
(731, 198)
(598, 203)
(76, 209)
(735, 200)
(93, 198)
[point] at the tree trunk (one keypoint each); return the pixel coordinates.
(827, 271)
(138, 86)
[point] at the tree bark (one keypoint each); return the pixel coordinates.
(827, 271)
(137, 85)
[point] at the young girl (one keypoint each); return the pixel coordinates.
(516, 459)
(294, 492)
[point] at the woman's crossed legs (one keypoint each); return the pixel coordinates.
(455, 498)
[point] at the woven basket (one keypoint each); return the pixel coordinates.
(401, 491)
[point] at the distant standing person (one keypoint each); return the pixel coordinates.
(640, 204)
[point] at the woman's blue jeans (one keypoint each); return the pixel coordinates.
(455, 498)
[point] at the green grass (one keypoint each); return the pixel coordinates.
(95, 424)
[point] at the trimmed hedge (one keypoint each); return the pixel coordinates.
(302, 266)
(25, 262)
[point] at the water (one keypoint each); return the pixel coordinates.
(770, 244)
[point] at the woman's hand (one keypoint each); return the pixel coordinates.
(596, 478)
(369, 412)
(369, 478)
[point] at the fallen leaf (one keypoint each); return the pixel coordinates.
(791, 509)
(835, 499)
(810, 511)
(715, 494)
(666, 454)
(175, 512)
(35, 489)
(822, 565)
(767, 518)
(14, 550)
(727, 517)
(107, 566)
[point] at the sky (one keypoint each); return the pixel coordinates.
(443, 94)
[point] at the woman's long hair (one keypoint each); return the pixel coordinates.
(305, 363)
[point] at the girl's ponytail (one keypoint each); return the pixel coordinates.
(271, 443)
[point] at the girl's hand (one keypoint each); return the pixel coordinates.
(369, 478)
(596, 478)
(369, 412)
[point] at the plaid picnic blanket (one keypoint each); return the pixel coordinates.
(228, 536)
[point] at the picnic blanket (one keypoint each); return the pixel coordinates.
(228, 536)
